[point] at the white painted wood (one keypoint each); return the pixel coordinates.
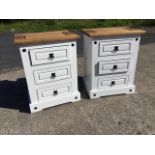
(54, 92)
(52, 74)
(113, 67)
(111, 83)
(49, 54)
(108, 92)
(51, 81)
(38, 106)
(110, 65)
(115, 47)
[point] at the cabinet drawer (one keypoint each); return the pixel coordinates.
(52, 74)
(113, 67)
(114, 82)
(49, 55)
(114, 48)
(53, 92)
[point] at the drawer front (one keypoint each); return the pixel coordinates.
(114, 48)
(113, 67)
(49, 55)
(54, 92)
(111, 83)
(52, 74)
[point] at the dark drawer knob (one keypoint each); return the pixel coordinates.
(113, 83)
(116, 48)
(55, 92)
(53, 75)
(51, 56)
(115, 67)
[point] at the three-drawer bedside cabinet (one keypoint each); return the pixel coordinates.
(50, 65)
(110, 60)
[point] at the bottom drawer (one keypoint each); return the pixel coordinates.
(53, 92)
(112, 82)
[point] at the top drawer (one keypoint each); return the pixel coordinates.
(112, 48)
(49, 55)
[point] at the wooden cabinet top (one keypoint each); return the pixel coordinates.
(28, 38)
(114, 31)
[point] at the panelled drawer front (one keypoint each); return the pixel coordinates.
(52, 74)
(111, 83)
(49, 55)
(114, 48)
(55, 91)
(113, 67)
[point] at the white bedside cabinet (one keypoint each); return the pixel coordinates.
(110, 60)
(50, 65)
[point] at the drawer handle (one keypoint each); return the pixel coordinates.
(55, 92)
(53, 75)
(113, 83)
(115, 67)
(51, 56)
(116, 48)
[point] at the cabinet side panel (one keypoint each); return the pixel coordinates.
(134, 58)
(74, 68)
(29, 75)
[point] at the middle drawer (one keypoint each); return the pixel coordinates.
(112, 67)
(52, 74)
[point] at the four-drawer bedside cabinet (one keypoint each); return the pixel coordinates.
(50, 65)
(110, 60)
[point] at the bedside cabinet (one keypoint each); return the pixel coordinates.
(50, 65)
(110, 60)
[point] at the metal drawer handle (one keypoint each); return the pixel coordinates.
(53, 75)
(115, 67)
(51, 56)
(116, 48)
(55, 92)
(113, 83)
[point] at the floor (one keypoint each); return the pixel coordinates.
(120, 114)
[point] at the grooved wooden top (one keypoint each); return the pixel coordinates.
(27, 38)
(114, 31)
